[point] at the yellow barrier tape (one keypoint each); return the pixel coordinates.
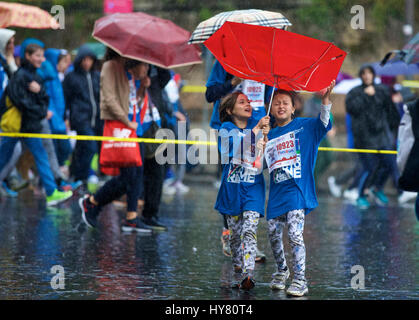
(170, 141)
(194, 89)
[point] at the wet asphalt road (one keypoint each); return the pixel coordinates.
(186, 262)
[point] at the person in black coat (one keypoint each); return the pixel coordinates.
(409, 178)
(375, 120)
(26, 92)
(81, 92)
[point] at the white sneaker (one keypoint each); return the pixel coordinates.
(335, 190)
(181, 187)
(351, 194)
(406, 196)
(169, 190)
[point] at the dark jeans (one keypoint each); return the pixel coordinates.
(62, 150)
(375, 170)
(83, 155)
(153, 184)
(128, 182)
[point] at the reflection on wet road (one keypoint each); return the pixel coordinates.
(186, 262)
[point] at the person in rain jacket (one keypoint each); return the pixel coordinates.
(54, 88)
(81, 92)
(374, 122)
(27, 93)
(7, 62)
(7, 68)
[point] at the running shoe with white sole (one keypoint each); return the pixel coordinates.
(406, 196)
(135, 225)
(279, 280)
(89, 211)
(335, 190)
(298, 288)
(58, 197)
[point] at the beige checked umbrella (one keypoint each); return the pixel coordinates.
(251, 16)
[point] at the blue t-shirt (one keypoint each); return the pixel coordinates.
(292, 187)
(241, 189)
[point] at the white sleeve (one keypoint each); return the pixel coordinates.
(325, 114)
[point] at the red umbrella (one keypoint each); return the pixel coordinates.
(276, 57)
(147, 38)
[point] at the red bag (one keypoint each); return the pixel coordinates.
(119, 154)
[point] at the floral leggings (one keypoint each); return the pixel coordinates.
(295, 221)
(243, 240)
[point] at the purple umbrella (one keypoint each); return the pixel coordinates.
(396, 68)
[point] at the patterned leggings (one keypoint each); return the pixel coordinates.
(295, 221)
(243, 240)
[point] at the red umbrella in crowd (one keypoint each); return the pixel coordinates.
(25, 16)
(147, 38)
(276, 57)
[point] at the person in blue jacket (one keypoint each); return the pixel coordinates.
(241, 197)
(291, 157)
(220, 83)
(57, 102)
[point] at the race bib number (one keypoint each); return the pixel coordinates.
(281, 152)
(255, 91)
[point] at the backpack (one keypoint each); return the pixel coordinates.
(11, 120)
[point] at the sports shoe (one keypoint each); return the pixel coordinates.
(153, 223)
(58, 197)
(66, 186)
(237, 277)
(380, 197)
(298, 288)
(217, 184)
(351, 194)
(260, 256)
(169, 190)
(7, 191)
(225, 240)
(362, 203)
(406, 196)
(335, 190)
(89, 211)
(180, 187)
(279, 279)
(135, 225)
(248, 282)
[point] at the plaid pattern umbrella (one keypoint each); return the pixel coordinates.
(252, 16)
(25, 16)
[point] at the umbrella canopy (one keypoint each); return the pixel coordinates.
(98, 48)
(409, 54)
(25, 16)
(147, 38)
(395, 68)
(276, 57)
(252, 16)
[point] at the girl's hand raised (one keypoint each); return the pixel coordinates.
(326, 93)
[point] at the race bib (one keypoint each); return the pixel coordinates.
(255, 91)
(281, 152)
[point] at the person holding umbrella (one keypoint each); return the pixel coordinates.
(292, 191)
(241, 197)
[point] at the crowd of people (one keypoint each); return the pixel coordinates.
(43, 91)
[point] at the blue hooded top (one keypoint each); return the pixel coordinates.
(53, 86)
